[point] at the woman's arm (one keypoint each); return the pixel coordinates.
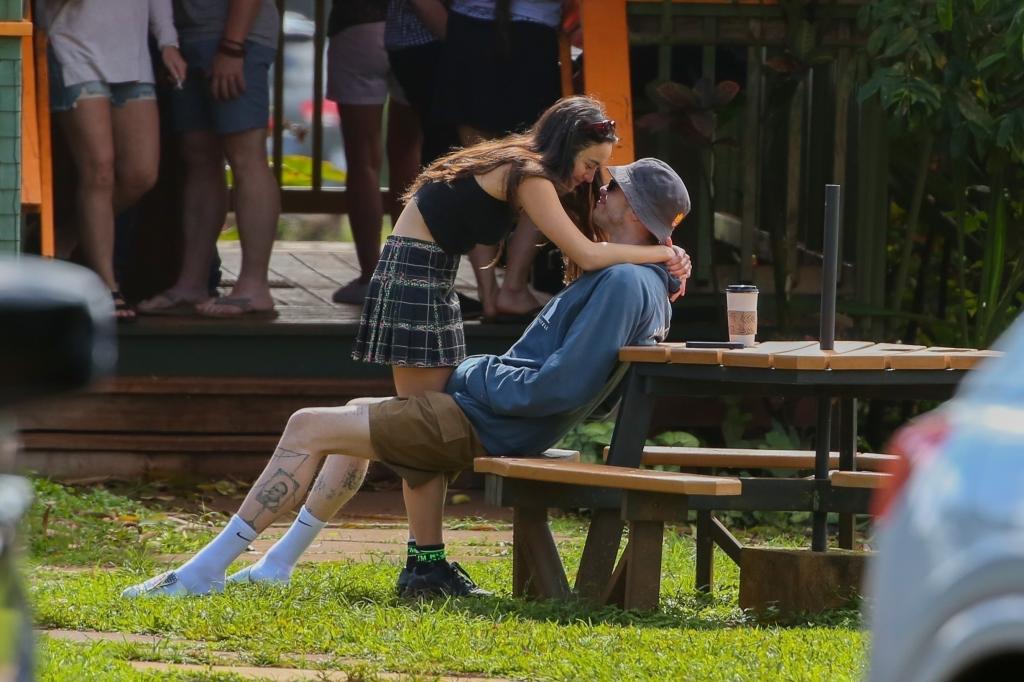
(540, 201)
(433, 14)
(161, 23)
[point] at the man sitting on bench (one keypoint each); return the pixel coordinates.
(519, 403)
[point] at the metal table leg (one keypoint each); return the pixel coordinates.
(847, 462)
(819, 534)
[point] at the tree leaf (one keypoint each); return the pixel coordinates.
(677, 95)
(944, 9)
(990, 60)
(725, 92)
(902, 43)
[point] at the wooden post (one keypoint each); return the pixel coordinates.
(606, 68)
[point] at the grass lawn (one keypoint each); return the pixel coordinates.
(88, 544)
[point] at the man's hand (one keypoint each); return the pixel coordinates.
(174, 63)
(227, 78)
(680, 267)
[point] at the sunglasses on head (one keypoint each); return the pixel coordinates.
(605, 128)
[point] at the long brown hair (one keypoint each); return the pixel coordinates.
(548, 150)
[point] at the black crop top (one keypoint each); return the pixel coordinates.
(462, 214)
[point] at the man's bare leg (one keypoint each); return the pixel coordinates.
(204, 209)
(257, 207)
(311, 433)
(338, 481)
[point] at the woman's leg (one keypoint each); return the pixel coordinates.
(424, 505)
(90, 137)
(514, 297)
(405, 139)
(136, 128)
(364, 152)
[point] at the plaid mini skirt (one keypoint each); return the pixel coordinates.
(411, 315)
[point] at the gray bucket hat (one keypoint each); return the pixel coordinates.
(656, 194)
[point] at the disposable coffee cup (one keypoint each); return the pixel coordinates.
(741, 306)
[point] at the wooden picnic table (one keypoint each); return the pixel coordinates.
(852, 370)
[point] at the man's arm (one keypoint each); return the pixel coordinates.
(227, 77)
(241, 16)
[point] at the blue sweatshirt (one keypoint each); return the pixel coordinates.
(522, 402)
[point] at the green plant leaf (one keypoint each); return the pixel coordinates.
(944, 10)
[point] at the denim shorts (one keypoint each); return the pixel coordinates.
(194, 108)
(65, 97)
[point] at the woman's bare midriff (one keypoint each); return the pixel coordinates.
(411, 224)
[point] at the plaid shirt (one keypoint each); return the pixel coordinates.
(403, 27)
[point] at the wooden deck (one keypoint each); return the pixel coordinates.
(208, 397)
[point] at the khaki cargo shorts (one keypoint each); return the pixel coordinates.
(423, 436)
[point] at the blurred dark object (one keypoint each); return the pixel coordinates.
(59, 335)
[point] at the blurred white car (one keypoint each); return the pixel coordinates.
(945, 594)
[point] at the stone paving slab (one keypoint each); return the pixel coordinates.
(272, 673)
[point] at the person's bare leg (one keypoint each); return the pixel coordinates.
(424, 505)
(257, 207)
(204, 210)
(338, 481)
(364, 154)
(136, 151)
(514, 297)
(405, 140)
(482, 258)
(89, 130)
(310, 434)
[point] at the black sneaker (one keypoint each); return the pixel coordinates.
(443, 580)
(403, 580)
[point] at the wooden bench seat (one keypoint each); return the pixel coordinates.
(858, 479)
(643, 498)
(606, 476)
(741, 458)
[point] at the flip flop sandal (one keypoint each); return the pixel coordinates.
(240, 303)
(175, 307)
(123, 313)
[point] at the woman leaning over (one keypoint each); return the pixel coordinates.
(103, 97)
(411, 318)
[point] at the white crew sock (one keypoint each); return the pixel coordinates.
(205, 571)
(279, 561)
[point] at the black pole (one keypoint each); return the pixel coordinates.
(829, 268)
(819, 520)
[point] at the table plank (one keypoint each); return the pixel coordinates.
(656, 354)
(602, 475)
(761, 354)
(872, 357)
(680, 354)
(936, 357)
(973, 359)
(812, 357)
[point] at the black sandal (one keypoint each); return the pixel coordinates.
(123, 312)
